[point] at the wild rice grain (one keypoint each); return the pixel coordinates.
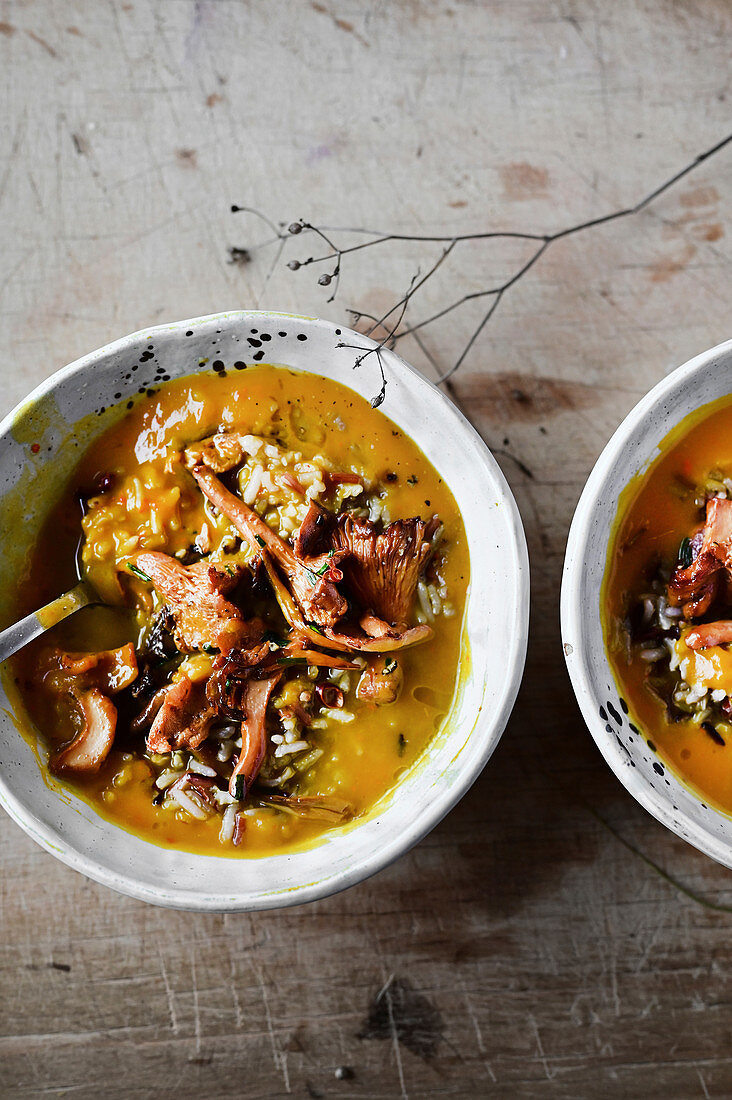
(228, 822)
(189, 804)
(202, 769)
(651, 655)
(337, 715)
(165, 779)
(424, 602)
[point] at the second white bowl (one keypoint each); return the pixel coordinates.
(635, 444)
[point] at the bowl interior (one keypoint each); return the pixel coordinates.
(39, 445)
(635, 444)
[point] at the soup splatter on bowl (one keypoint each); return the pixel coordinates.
(283, 577)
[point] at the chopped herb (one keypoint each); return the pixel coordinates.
(325, 566)
(315, 627)
(685, 553)
(239, 788)
(208, 648)
(401, 744)
(270, 636)
(138, 572)
(290, 660)
(411, 480)
(230, 570)
(229, 684)
(260, 540)
(389, 665)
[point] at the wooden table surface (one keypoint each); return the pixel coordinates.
(549, 938)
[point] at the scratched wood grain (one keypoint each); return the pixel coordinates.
(530, 946)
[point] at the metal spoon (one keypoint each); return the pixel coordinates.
(19, 634)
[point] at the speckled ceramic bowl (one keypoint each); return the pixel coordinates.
(634, 445)
(40, 443)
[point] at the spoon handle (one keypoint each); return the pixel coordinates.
(19, 634)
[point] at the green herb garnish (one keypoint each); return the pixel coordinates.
(315, 627)
(138, 572)
(401, 744)
(208, 648)
(412, 480)
(291, 660)
(270, 636)
(389, 665)
(316, 574)
(260, 540)
(325, 566)
(239, 788)
(685, 553)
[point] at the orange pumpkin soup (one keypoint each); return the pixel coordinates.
(283, 578)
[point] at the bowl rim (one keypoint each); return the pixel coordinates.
(572, 614)
(194, 899)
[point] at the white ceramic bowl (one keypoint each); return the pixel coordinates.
(634, 445)
(496, 623)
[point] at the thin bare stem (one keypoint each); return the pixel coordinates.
(282, 233)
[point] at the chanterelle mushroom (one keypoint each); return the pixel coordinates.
(312, 582)
(89, 749)
(183, 720)
(221, 452)
(381, 681)
(383, 566)
(710, 634)
(314, 537)
(109, 670)
(196, 598)
(695, 586)
(253, 734)
(239, 688)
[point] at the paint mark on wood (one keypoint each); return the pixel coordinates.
(341, 24)
(63, 967)
(400, 1012)
(664, 269)
(80, 144)
(512, 396)
(187, 157)
(706, 232)
(523, 181)
(42, 43)
(700, 196)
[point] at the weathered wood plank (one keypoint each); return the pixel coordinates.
(522, 949)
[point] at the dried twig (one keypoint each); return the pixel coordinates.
(392, 320)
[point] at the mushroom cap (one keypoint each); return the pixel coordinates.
(89, 749)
